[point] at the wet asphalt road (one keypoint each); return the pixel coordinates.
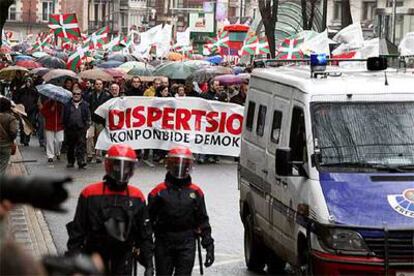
(218, 181)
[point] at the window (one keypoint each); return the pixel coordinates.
(298, 136)
(276, 125)
(337, 10)
(103, 12)
(96, 13)
(250, 115)
(12, 13)
(368, 10)
(261, 120)
(48, 8)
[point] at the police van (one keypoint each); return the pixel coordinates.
(326, 171)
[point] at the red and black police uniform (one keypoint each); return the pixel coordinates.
(178, 215)
(112, 219)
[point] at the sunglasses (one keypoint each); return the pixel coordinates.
(76, 94)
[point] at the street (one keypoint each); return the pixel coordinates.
(218, 181)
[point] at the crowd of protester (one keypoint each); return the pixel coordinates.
(73, 128)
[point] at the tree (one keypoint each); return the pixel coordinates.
(324, 14)
(4, 13)
(346, 16)
(268, 10)
(308, 19)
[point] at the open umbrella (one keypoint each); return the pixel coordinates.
(58, 76)
(52, 62)
(173, 56)
(55, 92)
(61, 55)
(206, 73)
(5, 49)
(197, 63)
(95, 74)
(110, 64)
(29, 64)
(134, 64)
(39, 54)
(23, 57)
(123, 57)
(115, 72)
(229, 79)
(214, 59)
(9, 73)
(41, 71)
(175, 70)
(141, 71)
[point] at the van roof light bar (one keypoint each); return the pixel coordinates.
(318, 63)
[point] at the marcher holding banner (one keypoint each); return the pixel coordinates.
(207, 127)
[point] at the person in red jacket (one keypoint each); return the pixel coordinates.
(52, 112)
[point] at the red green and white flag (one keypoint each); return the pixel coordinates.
(290, 49)
(249, 46)
(65, 25)
(262, 47)
(75, 60)
(68, 44)
(221, 41)
(42, 43)
(98, 39)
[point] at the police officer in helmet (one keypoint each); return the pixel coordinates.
(178, 214)
(111, 217)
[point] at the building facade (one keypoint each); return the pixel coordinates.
(32, 16)
(370, 13)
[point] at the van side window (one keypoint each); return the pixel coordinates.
(276, 125)
(250, 115)
(261, 120)
(298, 136)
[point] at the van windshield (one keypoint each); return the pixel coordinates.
(364, 136)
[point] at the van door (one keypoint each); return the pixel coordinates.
(277, 136)
(254, 167)
(292, 184)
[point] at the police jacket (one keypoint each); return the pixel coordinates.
(178, 206)
(98, 205)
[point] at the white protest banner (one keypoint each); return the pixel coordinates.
(207, 127)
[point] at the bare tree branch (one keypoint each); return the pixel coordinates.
(346, 16)
(268, 10)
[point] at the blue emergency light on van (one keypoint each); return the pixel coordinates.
(318, 62)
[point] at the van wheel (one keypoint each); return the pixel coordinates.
(275, 265)
(253, 248)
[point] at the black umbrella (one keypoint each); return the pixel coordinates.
(52, 62)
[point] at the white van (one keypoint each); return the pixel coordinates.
(326, 172)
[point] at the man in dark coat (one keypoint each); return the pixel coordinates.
(76, 120)
(136, 88)
(98, 97)
(28, 96)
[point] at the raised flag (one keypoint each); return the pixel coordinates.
(65, 25)
(262, 47)
(249, 46)
(75, 60)
(290, 49)
(98, 39)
